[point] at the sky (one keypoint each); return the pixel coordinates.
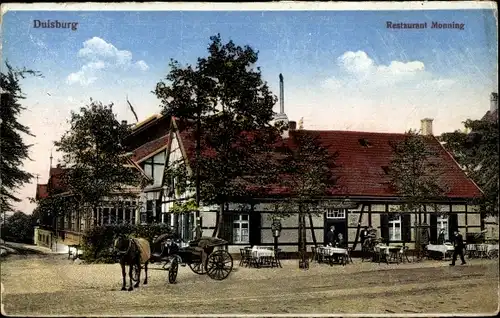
(343, 70)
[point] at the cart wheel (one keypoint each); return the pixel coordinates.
(197, 267)
(219, 265)
(172, 272)
(136, 270)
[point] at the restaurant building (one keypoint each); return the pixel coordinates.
(364, 196)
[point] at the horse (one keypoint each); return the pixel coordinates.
(133, 252)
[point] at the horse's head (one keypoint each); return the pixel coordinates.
(121, 244)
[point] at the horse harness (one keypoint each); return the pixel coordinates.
(121, 252)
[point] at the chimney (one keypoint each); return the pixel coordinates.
(282, 95)
(426, 124)
(124, 122)
(292, 125)
(493, 102)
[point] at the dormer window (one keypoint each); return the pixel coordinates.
(364, 142)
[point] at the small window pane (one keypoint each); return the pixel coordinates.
(236, 226)
(244, 217)
(244, 225)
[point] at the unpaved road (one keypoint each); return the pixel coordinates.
(51, 285)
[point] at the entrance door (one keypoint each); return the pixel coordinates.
(337, 218)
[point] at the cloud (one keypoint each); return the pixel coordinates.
(142, 65)
(99, 55)
(358, 71)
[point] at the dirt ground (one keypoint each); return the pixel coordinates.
(52, 285)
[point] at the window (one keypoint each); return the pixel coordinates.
(335, 214)
(240, 229)
(394, 227)
(153, 167)
(442, 223)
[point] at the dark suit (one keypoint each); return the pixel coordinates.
(331, 238)
(364, 235)
(458, 244)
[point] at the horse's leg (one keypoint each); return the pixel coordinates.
(139, 275)
(146, 273)
(130, 268)
(124, 274)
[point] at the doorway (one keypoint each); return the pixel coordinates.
(337, 218)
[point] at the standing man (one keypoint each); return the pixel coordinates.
(441, 237)
(458, 244)
(364, 235)
(331, 237)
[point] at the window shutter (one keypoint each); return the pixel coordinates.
(433, 228)
(227, 227)
(158, 211)
(384, 226)
(452, 225)
(406, 227)
(254, 228)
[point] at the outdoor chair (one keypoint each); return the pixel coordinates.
(244, 258)
(314, 251)
(382, 256)
(250, 259)
(482, 250)
(348, 256)
(394, 255)
(403, 254)
(471, 250)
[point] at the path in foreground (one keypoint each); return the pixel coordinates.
(50, 285)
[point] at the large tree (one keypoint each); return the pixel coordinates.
(95, 158)
(13, 149)
(226, 97)
(415, 175)
(308, 176)
(476, 150)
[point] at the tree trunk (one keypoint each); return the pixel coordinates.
(219, 221)
(313, 233)
(359, 227)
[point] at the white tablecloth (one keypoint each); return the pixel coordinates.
(386, 248)
(262, 252)
(486, 247)
(332, 250)
(440, 248)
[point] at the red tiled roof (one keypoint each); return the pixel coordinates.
(149, 148)
(56, 182)
(41, 191)
(360, 171)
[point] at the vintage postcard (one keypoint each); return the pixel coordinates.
(249, 159)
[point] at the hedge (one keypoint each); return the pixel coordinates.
(98, 241)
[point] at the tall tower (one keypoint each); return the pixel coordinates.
(282, 117)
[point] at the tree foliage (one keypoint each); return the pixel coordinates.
(13, 149)
(477, 152)
(415, 174)
(307, 175)
(19, 227)
(224, 93)
(96, 165)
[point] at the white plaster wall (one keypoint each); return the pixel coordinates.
(378, 207)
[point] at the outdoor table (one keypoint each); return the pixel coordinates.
(484, 250)
(442, 248)
(329, 252)
(263, 254)
(386, 251)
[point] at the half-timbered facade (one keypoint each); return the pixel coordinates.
(365, 197)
